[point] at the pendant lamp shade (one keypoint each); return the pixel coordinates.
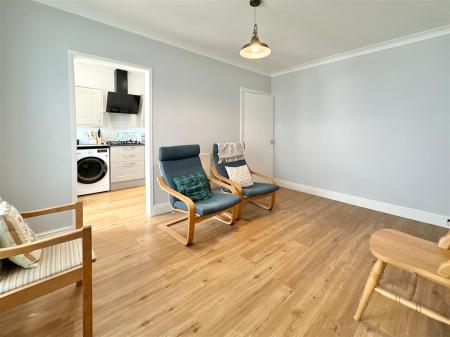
(255, 49)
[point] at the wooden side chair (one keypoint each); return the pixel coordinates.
(177, 161)
(248, 194)
(66, 259)
(412, 254)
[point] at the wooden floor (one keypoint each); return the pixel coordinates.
(296, 271)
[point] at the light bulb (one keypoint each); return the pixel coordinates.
(255, 48)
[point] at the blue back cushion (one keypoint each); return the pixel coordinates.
(176, 161)
(221, 167)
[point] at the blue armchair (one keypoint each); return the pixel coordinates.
(248, 194)
(182, 160)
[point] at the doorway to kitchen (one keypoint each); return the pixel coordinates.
(111, 117)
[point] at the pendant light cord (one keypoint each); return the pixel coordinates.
(255, 26)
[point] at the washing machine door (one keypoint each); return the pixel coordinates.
(91, 170)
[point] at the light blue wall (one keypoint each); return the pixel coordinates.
(2, 49)
(195, 99)
(375, 126)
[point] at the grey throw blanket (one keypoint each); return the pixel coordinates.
(230, 152)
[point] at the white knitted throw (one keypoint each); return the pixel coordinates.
(230, 152)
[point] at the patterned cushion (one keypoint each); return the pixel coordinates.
(14, 231)
(195, 186)
(54, 259)
(1, 261)
(240, 174)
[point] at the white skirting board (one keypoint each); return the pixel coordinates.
(127, 184)
(405, 212)
(162, 208)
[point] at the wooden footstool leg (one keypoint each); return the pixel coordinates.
(371, 284)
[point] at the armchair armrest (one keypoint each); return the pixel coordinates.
(230, 187)
(444, 269)
(263, 176)
(444, 242)
(227, 181)
(189, 203)
(43, 243)
(77, 206)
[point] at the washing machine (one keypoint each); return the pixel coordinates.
(93, 170)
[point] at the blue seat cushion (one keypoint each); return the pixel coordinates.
(259, 189)
(218, 202)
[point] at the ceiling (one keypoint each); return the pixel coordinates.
(297, 31)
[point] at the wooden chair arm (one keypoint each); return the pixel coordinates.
(77, 206)
(227, 186)
(444, 269)
(237, 186)
(43, 243)
(189, 203)
(263, 176)
(444, 242)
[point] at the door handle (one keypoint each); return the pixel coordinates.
(271, 142)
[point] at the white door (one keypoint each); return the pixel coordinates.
(89, 106)
(257, 130)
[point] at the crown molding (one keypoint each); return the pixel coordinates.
(201, 53)
(167, 42)
(404, 40)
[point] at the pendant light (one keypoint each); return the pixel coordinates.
(255, 49)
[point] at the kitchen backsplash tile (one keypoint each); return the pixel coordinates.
(83, 133)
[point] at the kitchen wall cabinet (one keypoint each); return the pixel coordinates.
(127, 163)
(89, 106)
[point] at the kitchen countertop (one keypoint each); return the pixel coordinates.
(140, 144)
(103, 146)
(92, 146)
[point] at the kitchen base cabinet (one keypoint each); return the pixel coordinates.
(127, 171)
(127, 166)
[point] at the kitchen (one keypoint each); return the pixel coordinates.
(110, 126)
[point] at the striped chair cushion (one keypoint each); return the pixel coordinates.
(54, 259)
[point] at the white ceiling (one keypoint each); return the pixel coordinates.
(297, 31)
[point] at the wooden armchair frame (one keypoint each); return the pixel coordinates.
(81, 275)
(227, 216)
(413, 255)
(239, 188)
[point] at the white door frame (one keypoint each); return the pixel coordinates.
(241, 117)
(148, 127)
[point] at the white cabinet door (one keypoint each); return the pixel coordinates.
(127, 153)
(130, 170)
(127, 163)
(89, 106)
